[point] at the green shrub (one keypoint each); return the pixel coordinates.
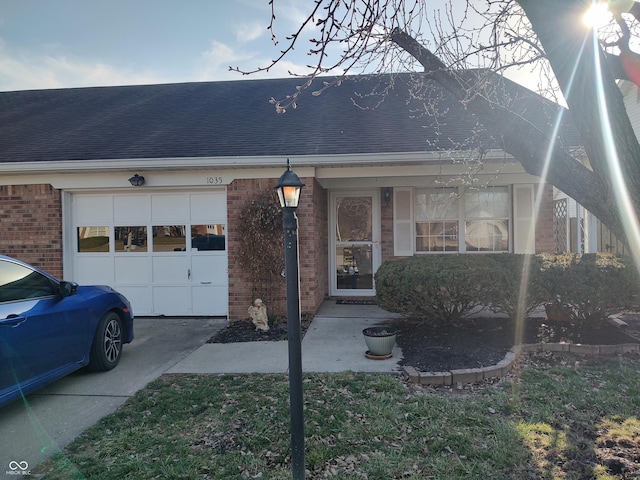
(590, 287)
(516, 279)
(435, 287)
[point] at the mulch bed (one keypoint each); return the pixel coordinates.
(481, 342)
(471, 343)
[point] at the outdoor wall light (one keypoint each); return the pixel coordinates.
(387, 193)
(137, 180)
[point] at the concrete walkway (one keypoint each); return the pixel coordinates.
(333, 343)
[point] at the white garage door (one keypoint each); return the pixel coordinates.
(166, 252)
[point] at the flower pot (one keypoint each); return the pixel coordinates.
(380, 340)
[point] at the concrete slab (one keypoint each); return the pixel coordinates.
(337, 345)
(243, 357)
(44, 422)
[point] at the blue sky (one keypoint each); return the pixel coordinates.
(77, 43)
(81, 43)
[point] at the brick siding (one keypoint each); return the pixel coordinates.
(313, 248)
(31, 218)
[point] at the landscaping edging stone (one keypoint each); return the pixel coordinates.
(504, 366)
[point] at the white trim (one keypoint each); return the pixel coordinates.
(400, 225)
(524, 225)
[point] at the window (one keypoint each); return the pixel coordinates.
(436, 213)
(462, 220)
(130, 239)
(20, 283)
(486, 214)
(169, 238)
(207, 237)
(93, 239)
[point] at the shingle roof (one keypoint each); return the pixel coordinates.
(235, 118)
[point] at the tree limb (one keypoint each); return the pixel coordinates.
(521, 139)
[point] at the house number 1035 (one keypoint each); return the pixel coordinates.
(214, 180)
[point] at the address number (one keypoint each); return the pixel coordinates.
(214, 180)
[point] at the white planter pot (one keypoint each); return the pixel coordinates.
(380, 340)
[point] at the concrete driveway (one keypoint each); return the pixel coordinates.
(33, 430)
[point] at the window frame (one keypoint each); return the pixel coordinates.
(462, 221)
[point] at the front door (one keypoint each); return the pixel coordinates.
(355, 242)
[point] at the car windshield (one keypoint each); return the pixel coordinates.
(18, 282)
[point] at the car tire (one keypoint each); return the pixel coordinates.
(106, 348)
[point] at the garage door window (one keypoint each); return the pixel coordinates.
(130, 239)
(207, 237)
(169, 238)
(93, 239)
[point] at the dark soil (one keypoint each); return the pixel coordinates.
(470, 343)
(245, 331)
(480, 342)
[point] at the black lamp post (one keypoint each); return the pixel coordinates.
(288, 188)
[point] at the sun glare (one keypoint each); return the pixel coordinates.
(597, 15)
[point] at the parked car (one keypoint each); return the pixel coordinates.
(50, 328)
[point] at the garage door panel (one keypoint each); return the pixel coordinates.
(170, 270)
(141, 298)
(209, 270)
(169, 208)
(171, 300)
(94, 270)
(132, 209)
(132, 270)
(209, 300)
(208, 207)
(93, 210)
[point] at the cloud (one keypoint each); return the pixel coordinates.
(27, 71)
(215, 62)
(247, 32)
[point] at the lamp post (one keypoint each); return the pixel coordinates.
(288, 188)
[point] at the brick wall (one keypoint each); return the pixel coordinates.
(31, 219)
(545, 241)
(312, 247)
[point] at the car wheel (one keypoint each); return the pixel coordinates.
(107, 343)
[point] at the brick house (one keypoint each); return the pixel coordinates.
(391, 167)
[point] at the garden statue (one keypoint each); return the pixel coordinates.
(258, 314)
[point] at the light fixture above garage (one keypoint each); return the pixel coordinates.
(137, 180)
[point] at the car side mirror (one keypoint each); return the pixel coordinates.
(68, 288)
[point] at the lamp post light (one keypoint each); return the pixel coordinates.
(288, 188)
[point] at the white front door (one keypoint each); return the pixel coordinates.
(166, 252)
(354, 242)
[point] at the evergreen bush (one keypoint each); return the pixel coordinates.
(435, 287)
(590, 287)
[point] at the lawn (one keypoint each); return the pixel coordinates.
(555, 417)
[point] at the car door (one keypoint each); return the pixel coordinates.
(39, 335)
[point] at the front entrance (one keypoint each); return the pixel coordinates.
(355, 242)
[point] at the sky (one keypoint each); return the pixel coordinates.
(79, 43)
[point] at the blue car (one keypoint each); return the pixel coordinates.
(50, 328)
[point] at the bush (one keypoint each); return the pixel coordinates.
(436, 287)
(590, 287)
(516, 279)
